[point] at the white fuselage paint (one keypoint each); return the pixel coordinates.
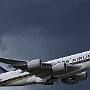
(19, 78)
(82, 59)
(72, 58)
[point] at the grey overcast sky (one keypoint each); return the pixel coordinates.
(45, 29)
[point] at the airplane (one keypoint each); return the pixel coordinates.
(69, 70)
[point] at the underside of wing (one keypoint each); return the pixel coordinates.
(10, 61)
(35, 67)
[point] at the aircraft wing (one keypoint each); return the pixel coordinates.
(23, 65)
(38, 68)
(10, 61)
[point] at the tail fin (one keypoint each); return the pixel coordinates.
(2, 70)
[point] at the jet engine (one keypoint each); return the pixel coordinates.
(59, 67)
(34, 64)
(76, 79)
(80, 77)
(69, 81)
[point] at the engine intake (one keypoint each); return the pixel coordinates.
(75, 79)
(69, 81)
(59, 67)
(34, 64)
(80, 77)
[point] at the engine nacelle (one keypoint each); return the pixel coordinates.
(75, 79)
(34, 64)
(59, 67)
(69, 81)
(80, 77)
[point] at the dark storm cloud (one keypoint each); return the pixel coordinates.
(45, 29)
(55, 16)
(57, 19)
(51, 15)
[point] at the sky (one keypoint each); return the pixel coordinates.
(45, 29)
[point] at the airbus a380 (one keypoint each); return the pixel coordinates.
(69, 70)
